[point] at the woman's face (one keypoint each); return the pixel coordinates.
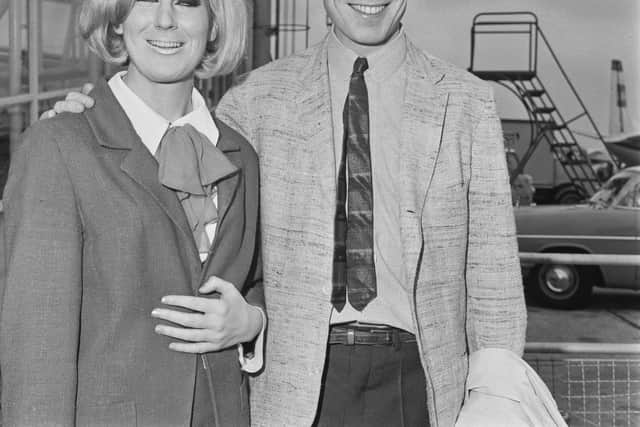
(165, 39)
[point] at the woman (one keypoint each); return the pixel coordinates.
(108, 211)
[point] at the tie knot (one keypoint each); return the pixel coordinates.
(360, 66)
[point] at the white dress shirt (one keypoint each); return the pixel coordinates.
(386, 81)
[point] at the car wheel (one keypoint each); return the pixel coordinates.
(560, 285)
(568, 195)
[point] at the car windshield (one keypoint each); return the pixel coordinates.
(612, 188)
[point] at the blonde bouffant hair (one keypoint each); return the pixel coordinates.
(98, 19)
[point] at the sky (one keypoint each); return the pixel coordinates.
(585, 34)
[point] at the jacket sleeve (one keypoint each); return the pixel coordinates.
(496, 312)
(40, 317)
(233, 109)
(252, 353)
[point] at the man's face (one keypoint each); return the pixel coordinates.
(365, 23)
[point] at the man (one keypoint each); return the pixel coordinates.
(387, 230)
(447, 276)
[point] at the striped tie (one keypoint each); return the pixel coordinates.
(354, 270)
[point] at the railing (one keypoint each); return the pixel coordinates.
(521, 77)
(579, 259)
(594, 384)
(31, 80)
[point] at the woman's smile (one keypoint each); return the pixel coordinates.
(166, 47)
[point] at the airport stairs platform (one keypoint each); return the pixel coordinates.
(549, 123)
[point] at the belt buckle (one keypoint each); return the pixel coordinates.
(351, 336)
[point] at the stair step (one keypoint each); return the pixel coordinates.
(564, 144)
(574, 162)
(558, 126)
(505, 75)
(544, 110)
(534, 93)
(553, 126)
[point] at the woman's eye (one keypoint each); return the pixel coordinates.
(189, 3)
(177, 2)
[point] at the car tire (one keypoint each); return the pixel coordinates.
(563, 286)
(568, 195)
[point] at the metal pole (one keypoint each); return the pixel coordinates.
(581, 348)
(15, 68)
(277, 29)
(262, 32)
(35, 12)
(96, 67)
(579, 259)
(4, 5)
(247, 62)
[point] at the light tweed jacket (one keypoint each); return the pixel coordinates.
(457, 226)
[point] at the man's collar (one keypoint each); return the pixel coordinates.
(383, 62)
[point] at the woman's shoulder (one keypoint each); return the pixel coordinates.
(64, 129)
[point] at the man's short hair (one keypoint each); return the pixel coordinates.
(228, 22)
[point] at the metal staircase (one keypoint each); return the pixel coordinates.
(547, 121)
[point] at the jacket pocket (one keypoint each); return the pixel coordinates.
(121, 414)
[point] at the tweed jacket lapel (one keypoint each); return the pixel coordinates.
(423, 127)
(137, 162)
(315, 120)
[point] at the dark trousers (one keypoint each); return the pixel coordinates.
(373, 385)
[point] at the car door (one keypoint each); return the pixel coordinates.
(628, 204)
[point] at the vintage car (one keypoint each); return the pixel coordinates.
(607, 226)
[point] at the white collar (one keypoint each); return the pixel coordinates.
(151, 126)
(383, 62)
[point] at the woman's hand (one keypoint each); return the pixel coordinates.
(217, 323)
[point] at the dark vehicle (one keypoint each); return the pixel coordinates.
(609, 224)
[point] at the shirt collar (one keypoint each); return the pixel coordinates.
(151, 126)
(383, 62)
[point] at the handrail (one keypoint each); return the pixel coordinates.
(532, 25)
(582, 347)
(523, 12)
(580, 259)
(573, 89)
(39, 96)
(534, 22)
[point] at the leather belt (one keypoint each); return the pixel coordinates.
(363, 335)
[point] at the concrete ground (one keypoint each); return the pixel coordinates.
(613, 316)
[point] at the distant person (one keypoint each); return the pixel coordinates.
(522, 190)
(391, 266)
(108, 211)
(604, 171)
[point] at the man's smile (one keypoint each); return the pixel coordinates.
(369, 10)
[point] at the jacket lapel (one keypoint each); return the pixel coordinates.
(423, 127)
(315, 121)
(137, 163)
(228, 187)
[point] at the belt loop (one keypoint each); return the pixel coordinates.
(351, 336)
(395, 339)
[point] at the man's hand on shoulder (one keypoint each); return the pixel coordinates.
(74, 102)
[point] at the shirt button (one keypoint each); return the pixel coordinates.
(326, 290)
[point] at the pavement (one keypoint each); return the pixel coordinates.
(612, 316)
